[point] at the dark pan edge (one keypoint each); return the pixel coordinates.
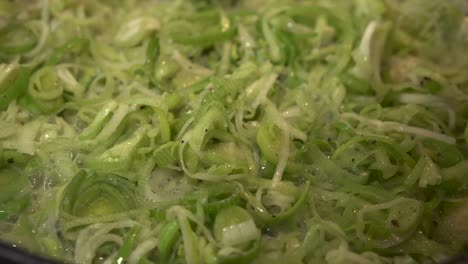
(16, 255)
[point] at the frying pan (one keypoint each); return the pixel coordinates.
(15, 255)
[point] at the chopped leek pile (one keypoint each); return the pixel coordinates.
(235, 131)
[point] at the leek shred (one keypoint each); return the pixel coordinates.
(235, 132)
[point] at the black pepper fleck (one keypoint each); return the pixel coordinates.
(424, 80)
